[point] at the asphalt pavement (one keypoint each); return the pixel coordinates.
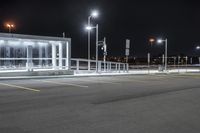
(106, 104)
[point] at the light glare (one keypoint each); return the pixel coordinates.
(160, 41)
(95, 14)
(2, 41)
(88, 28)
(29, 43)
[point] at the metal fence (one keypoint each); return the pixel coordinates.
(100, 66)
(84, 65)
(75, 64)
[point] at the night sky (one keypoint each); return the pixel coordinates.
(179, 21)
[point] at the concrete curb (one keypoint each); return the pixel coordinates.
(80, 76)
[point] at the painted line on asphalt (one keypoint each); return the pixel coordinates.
(186, 76)
(19, 87)
(61, 83)
(100, 81)
(133, 80)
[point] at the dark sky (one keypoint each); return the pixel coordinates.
(177, 20)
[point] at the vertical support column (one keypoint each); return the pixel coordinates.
(99, 66)
(40, 56)
(29, 63)
(54, 56)
(60, 55)
(24, 52)
(110, 66)
(7, 55)
(46, 52)
(0, 56)
(127, 67)
(77, 65)
(104, 66)
(116, 67)
(68, 55)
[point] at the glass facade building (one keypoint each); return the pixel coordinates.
(20, 52)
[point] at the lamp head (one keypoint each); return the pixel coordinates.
(88, 28)
(198, 47)
(95, 14)
(159, 41)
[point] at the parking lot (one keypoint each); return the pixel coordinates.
(109, 104)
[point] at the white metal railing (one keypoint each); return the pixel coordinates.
(100, 66)
(75, 64)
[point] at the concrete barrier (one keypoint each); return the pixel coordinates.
(37, 73)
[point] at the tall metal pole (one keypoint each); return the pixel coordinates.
(105, 50)
(163, 60)
(148, 61)
(178, 62)
(105, 53)
(174, 61)
(89, 43)
(97, 41)
(186, 58)
(9, 29)
(165, 54)
(199, 63)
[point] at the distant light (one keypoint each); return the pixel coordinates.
(88, 28)
(2, 41)
(29, 43)
(159, 41)
(55, 42)
(10, 25)
(95, 14)
(14, 42)
(151, 40)
(198, 47)
(42, 43)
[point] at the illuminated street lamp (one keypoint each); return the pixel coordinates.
(94, 14)
(151, 40)
(161, 41)
(10, 26)
(197, 47)
(89, 28)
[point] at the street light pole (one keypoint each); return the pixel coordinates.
(178, 62)
(89, 43)
(94, 14)
(97, 43)
(160, 41)
(165, 54)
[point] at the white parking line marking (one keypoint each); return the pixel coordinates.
(61, 83)
(20, 87)
(99, 81)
